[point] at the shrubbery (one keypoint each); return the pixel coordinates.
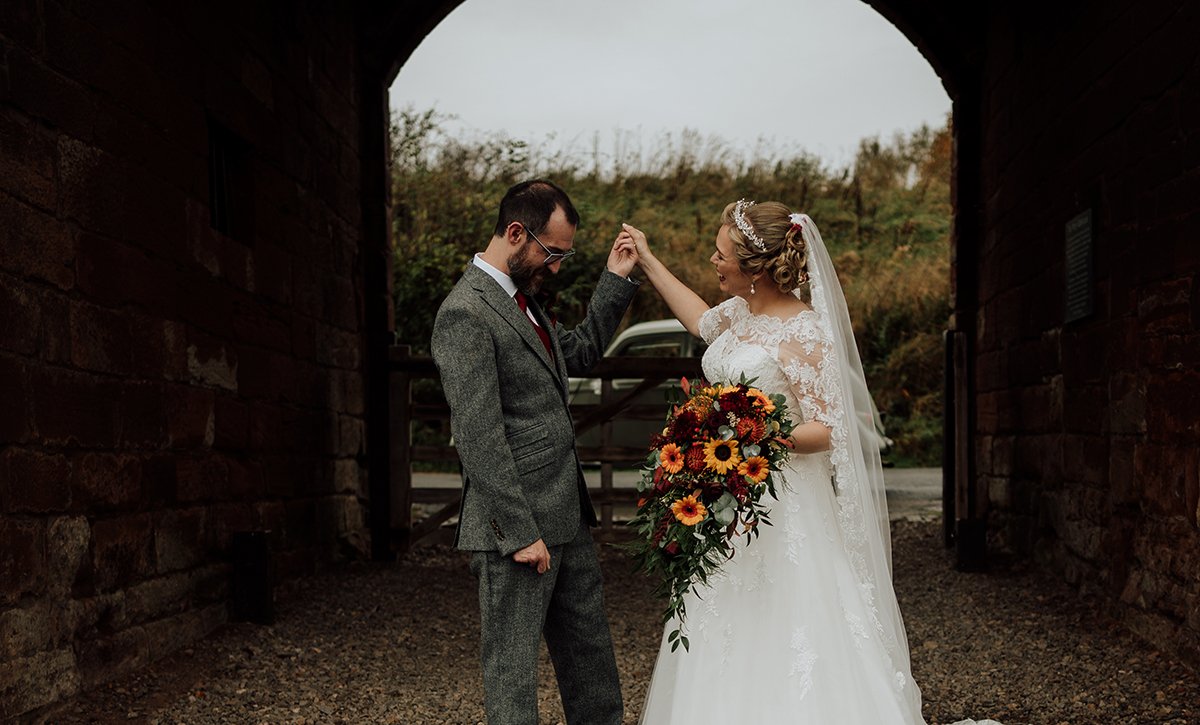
(886, 220)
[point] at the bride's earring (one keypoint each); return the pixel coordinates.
(752, 286)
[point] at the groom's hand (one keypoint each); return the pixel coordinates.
(535, 555)
(623, 257)
(638, 237)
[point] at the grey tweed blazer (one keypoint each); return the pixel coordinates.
(508, 410)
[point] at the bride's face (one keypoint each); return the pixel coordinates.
(733, 280)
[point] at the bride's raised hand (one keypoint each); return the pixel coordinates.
(639, 239)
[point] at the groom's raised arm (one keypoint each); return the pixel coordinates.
(465, 355)
(584, 346)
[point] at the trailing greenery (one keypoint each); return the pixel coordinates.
(886, 219)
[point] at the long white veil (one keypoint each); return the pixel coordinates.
(858, 470)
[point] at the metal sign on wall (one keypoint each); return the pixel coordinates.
(1079, 267)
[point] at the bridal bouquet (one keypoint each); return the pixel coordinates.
(702, 486)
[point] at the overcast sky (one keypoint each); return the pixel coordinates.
(812, 75)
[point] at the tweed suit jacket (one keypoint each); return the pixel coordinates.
(508, 410)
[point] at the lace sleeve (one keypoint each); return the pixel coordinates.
(806, 361)
(717, 319)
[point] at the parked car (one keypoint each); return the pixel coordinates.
(657, 338)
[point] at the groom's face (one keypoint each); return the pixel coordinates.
(527, 264)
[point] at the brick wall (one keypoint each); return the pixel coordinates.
(164, 385)
(1089, 432)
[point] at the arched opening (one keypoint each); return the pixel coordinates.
(950, 60)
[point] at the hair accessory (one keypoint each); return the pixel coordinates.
(739, 218)
(797, 221)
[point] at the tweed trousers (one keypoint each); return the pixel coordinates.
(518, 606)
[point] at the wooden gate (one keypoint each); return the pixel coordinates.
(637, 376)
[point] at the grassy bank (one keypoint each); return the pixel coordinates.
(886, 219)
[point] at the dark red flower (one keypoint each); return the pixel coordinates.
(736, 402)
(672, 548)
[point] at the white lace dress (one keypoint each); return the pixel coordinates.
(787, 632)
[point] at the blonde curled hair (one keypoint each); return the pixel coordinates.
(784, 257)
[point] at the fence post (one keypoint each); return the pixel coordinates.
(400, 390)
(606, 466)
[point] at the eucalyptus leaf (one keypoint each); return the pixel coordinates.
(724, 517)
(725, 432)
(751, 450)
(727, 502)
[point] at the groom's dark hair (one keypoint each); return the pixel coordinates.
(531, 203)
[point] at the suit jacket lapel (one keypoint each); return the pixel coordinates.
(495, 296)
(544, 321)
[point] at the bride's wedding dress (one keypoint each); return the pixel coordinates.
(787, 631)
(801, 625)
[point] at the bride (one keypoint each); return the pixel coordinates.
(802, 625)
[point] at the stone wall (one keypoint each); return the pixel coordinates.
(165, 384)
(1089, 431)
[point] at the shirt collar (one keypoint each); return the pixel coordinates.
(503, 279)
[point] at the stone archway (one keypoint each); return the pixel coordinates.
(948, 36)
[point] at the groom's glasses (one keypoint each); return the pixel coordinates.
(551, 257)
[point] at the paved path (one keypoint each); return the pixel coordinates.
(912, 493)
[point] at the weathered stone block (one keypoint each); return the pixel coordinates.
(20, 316)
(34, 481)
(168, 635)
(1165, 475)
(55, 342)
(246, 480)
(226, 519)
(1165, 307)
(72, 408)
(211, 362)
(111, 656)
(28, 683)
(1085, 459)
(179, 539)
(14, 391)
(160, 597)
(232, 423)
(123, 550)
(204, 478)
(26, 153)
(100, 339)
(191, 421)
(1122, 477)
(29, 629)
(105, 481)
(350, 436)
(33, 244)
(1172, 399)
(142, 418)
(67, 542)
(22, 558)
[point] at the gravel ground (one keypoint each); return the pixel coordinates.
(398, 644)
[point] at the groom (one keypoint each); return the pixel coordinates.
(525, 507)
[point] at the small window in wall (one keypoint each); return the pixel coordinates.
(1079, 267)
(230, 183)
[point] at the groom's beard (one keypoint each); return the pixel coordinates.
(526, 273)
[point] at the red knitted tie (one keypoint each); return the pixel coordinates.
(523, 303)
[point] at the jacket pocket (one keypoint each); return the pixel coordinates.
(528, 442)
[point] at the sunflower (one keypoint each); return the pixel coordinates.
(689, 511)
(721, 455)
(671, 457)
(763, 400)
(756, 469)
